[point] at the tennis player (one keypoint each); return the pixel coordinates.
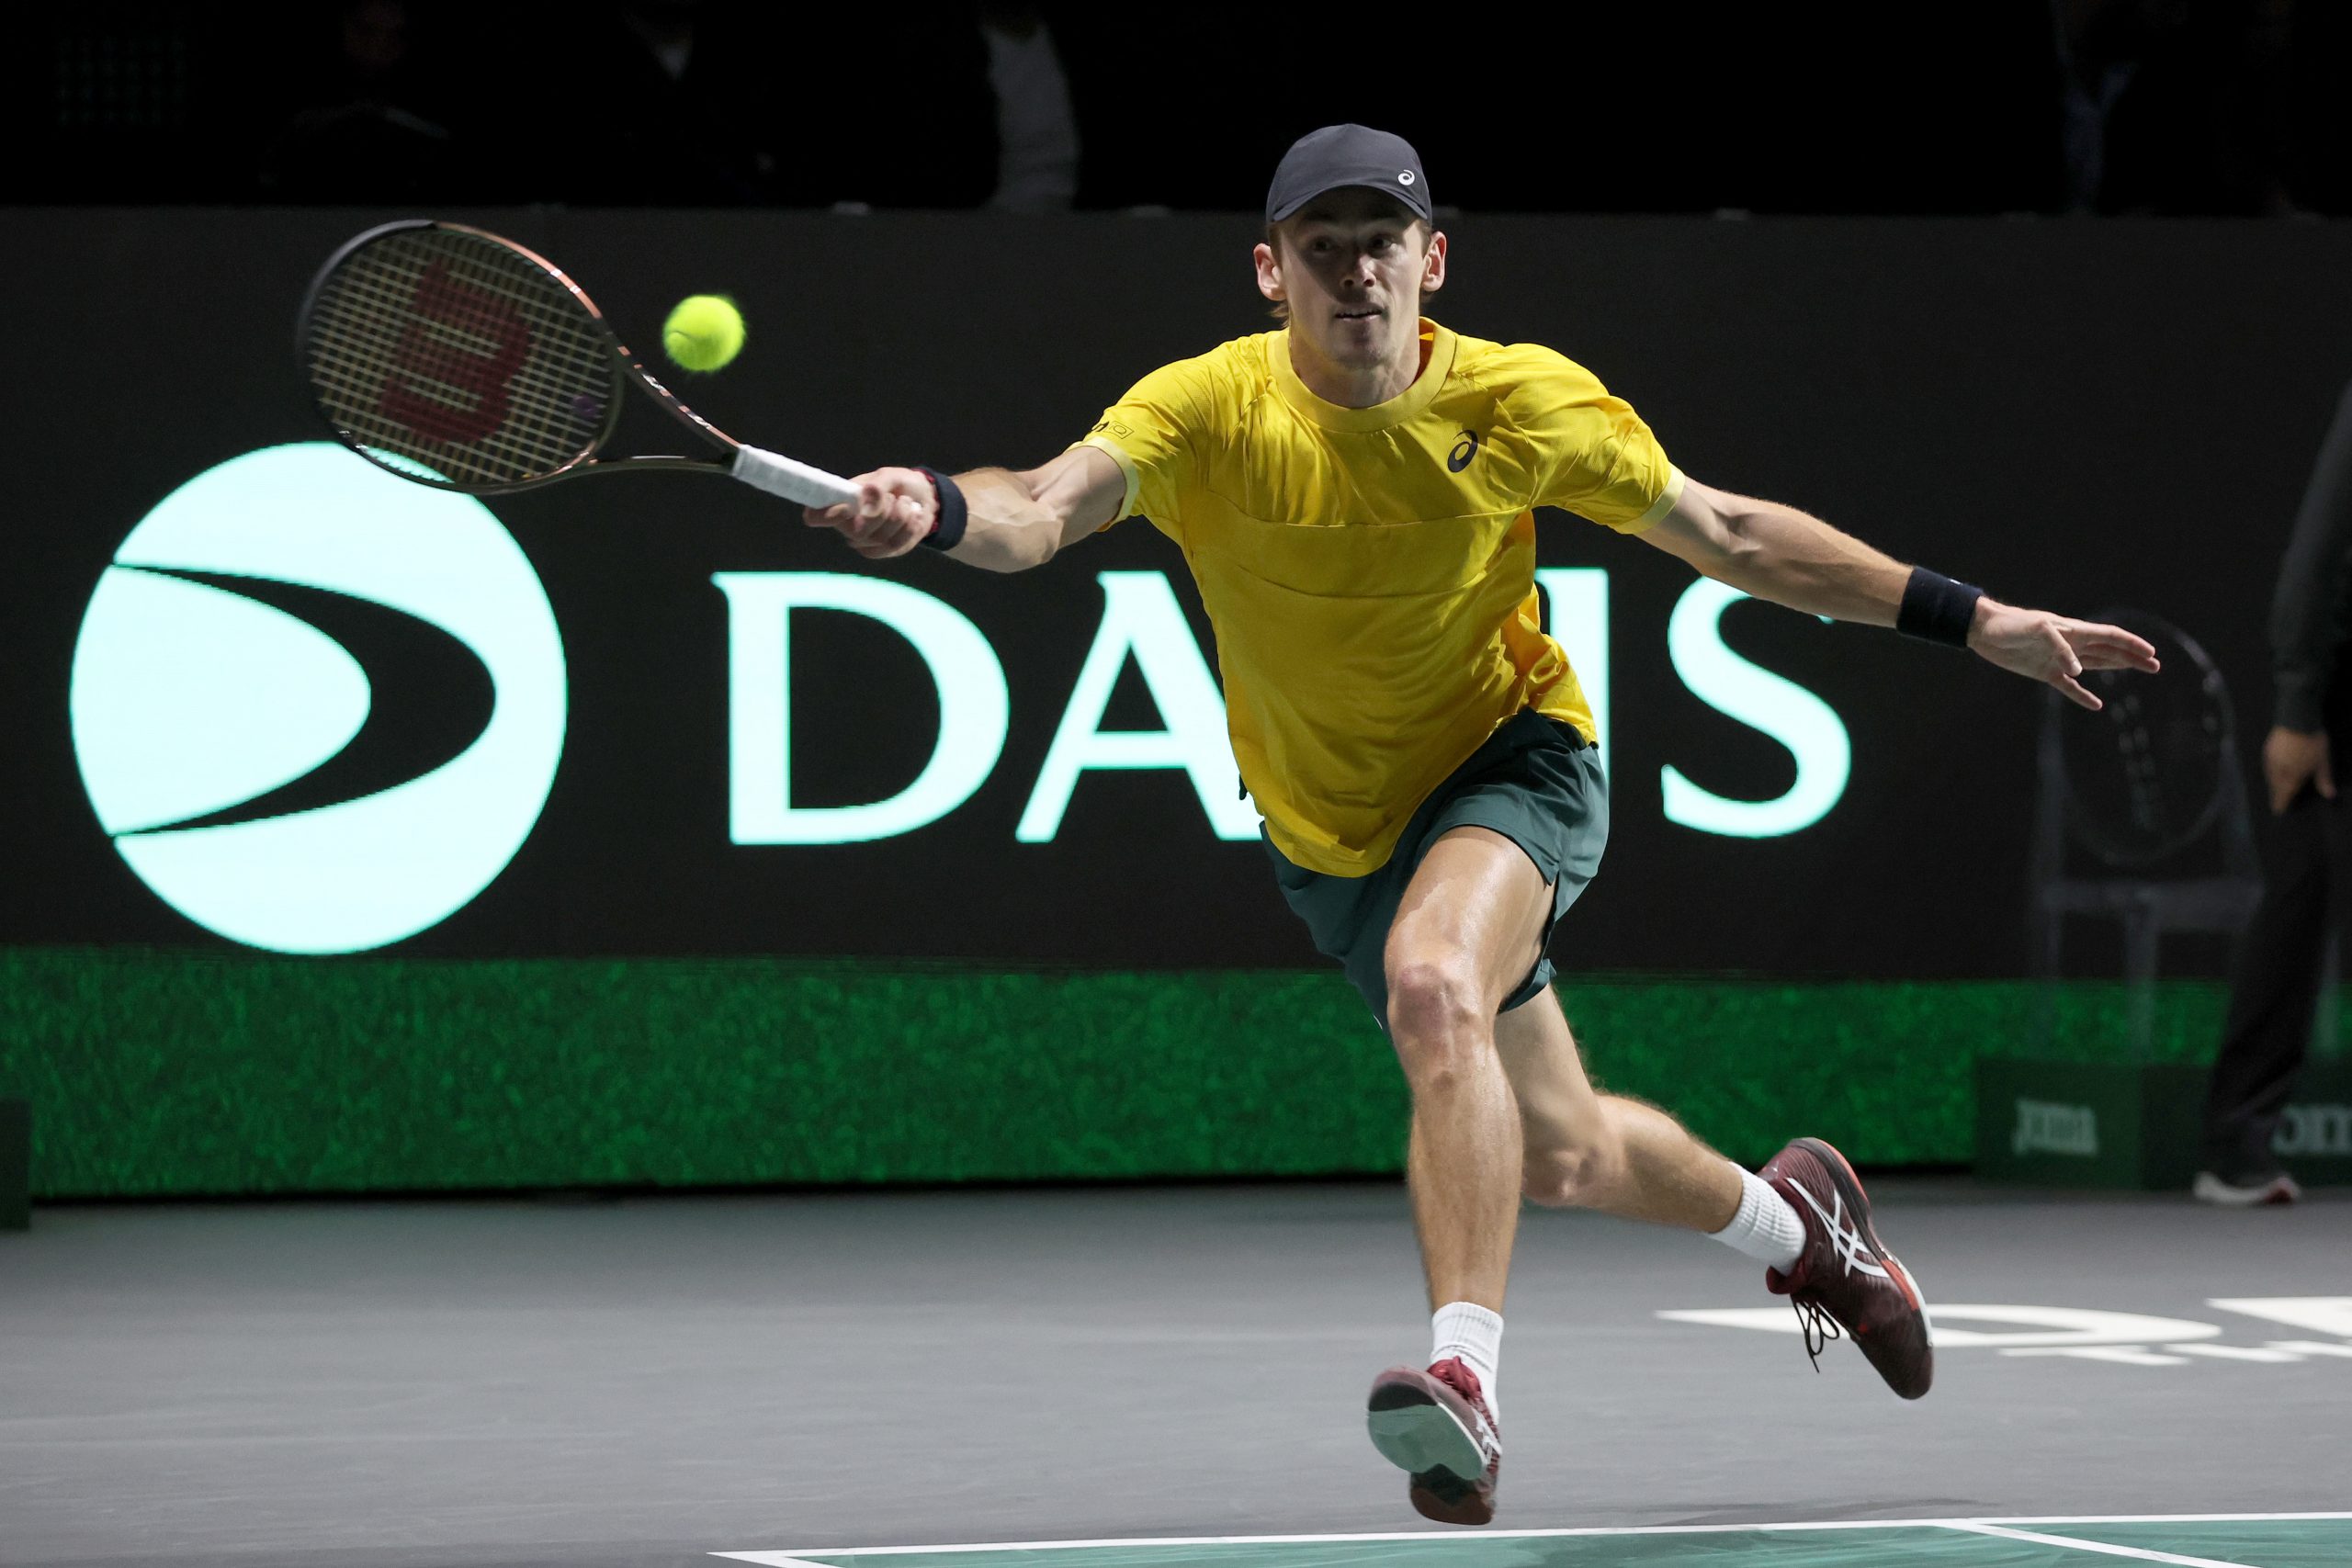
(1354, 494)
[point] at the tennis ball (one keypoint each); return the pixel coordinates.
(704, 333)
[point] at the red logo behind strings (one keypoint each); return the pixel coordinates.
(427, 357)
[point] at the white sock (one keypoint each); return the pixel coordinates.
(1470, 1334)
(1766, 1228)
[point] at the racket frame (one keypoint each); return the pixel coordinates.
(588, 460)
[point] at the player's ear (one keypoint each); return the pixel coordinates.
(1433, 265)
(1270, 272)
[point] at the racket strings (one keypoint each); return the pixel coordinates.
(2144, 773)
(451, 356)
(419, 390)
(495, 417)
(434, 306)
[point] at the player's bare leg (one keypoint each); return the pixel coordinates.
(1805, 1217)
(1601, 1151)
(1465, 935)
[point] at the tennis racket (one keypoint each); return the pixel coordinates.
(460, 360)
(2145, 773)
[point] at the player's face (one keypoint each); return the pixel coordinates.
(1352, 265)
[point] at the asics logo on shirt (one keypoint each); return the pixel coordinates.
(1845, 1237)
(1464, 450)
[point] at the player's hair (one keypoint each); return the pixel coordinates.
(1280, 309)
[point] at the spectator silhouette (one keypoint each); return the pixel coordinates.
(378, 127)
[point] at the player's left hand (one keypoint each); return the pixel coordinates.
(2054, 650)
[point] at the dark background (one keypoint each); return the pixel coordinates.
(2073, 415)
(2169, 106)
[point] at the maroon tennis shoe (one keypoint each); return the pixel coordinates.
(1436, 1427)
(1845, 1277)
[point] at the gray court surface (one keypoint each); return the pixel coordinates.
(652, 1379)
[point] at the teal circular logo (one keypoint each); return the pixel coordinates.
(209, 710)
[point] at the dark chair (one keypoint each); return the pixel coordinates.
(2142, 816)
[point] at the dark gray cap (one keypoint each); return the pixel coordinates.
(1340, 155)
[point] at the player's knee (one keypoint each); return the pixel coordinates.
(1433, 1012)
(1433, 1018)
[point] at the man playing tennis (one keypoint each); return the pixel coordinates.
(1354, 496)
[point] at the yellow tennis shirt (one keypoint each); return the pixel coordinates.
(1371, 573)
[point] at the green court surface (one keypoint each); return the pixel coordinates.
(2207, 1540)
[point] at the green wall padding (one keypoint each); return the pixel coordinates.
(155, 1072)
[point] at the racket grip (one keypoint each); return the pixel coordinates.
(780, 475)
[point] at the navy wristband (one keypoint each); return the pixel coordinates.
(947, 529)
(1937, 609)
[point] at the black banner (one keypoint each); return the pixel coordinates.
(2076, 415)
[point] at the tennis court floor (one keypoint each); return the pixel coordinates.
(2244, 1540)
(1136, 1377)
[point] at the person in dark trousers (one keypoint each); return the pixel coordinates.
(2276, 986)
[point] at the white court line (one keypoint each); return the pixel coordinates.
(798, 1556)
(2105, 1548)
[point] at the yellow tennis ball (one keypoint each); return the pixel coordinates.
(704, 333)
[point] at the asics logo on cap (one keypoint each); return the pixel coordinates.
(1341, 156)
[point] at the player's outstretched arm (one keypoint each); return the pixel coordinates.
(1005, 522)
(1790, 558)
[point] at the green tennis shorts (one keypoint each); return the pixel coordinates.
(1535, 781)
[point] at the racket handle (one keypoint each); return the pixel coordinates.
(780, 475)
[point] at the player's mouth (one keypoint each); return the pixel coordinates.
(1359, 313)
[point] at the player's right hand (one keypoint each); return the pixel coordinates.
(895, 511)
(2292, 759)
